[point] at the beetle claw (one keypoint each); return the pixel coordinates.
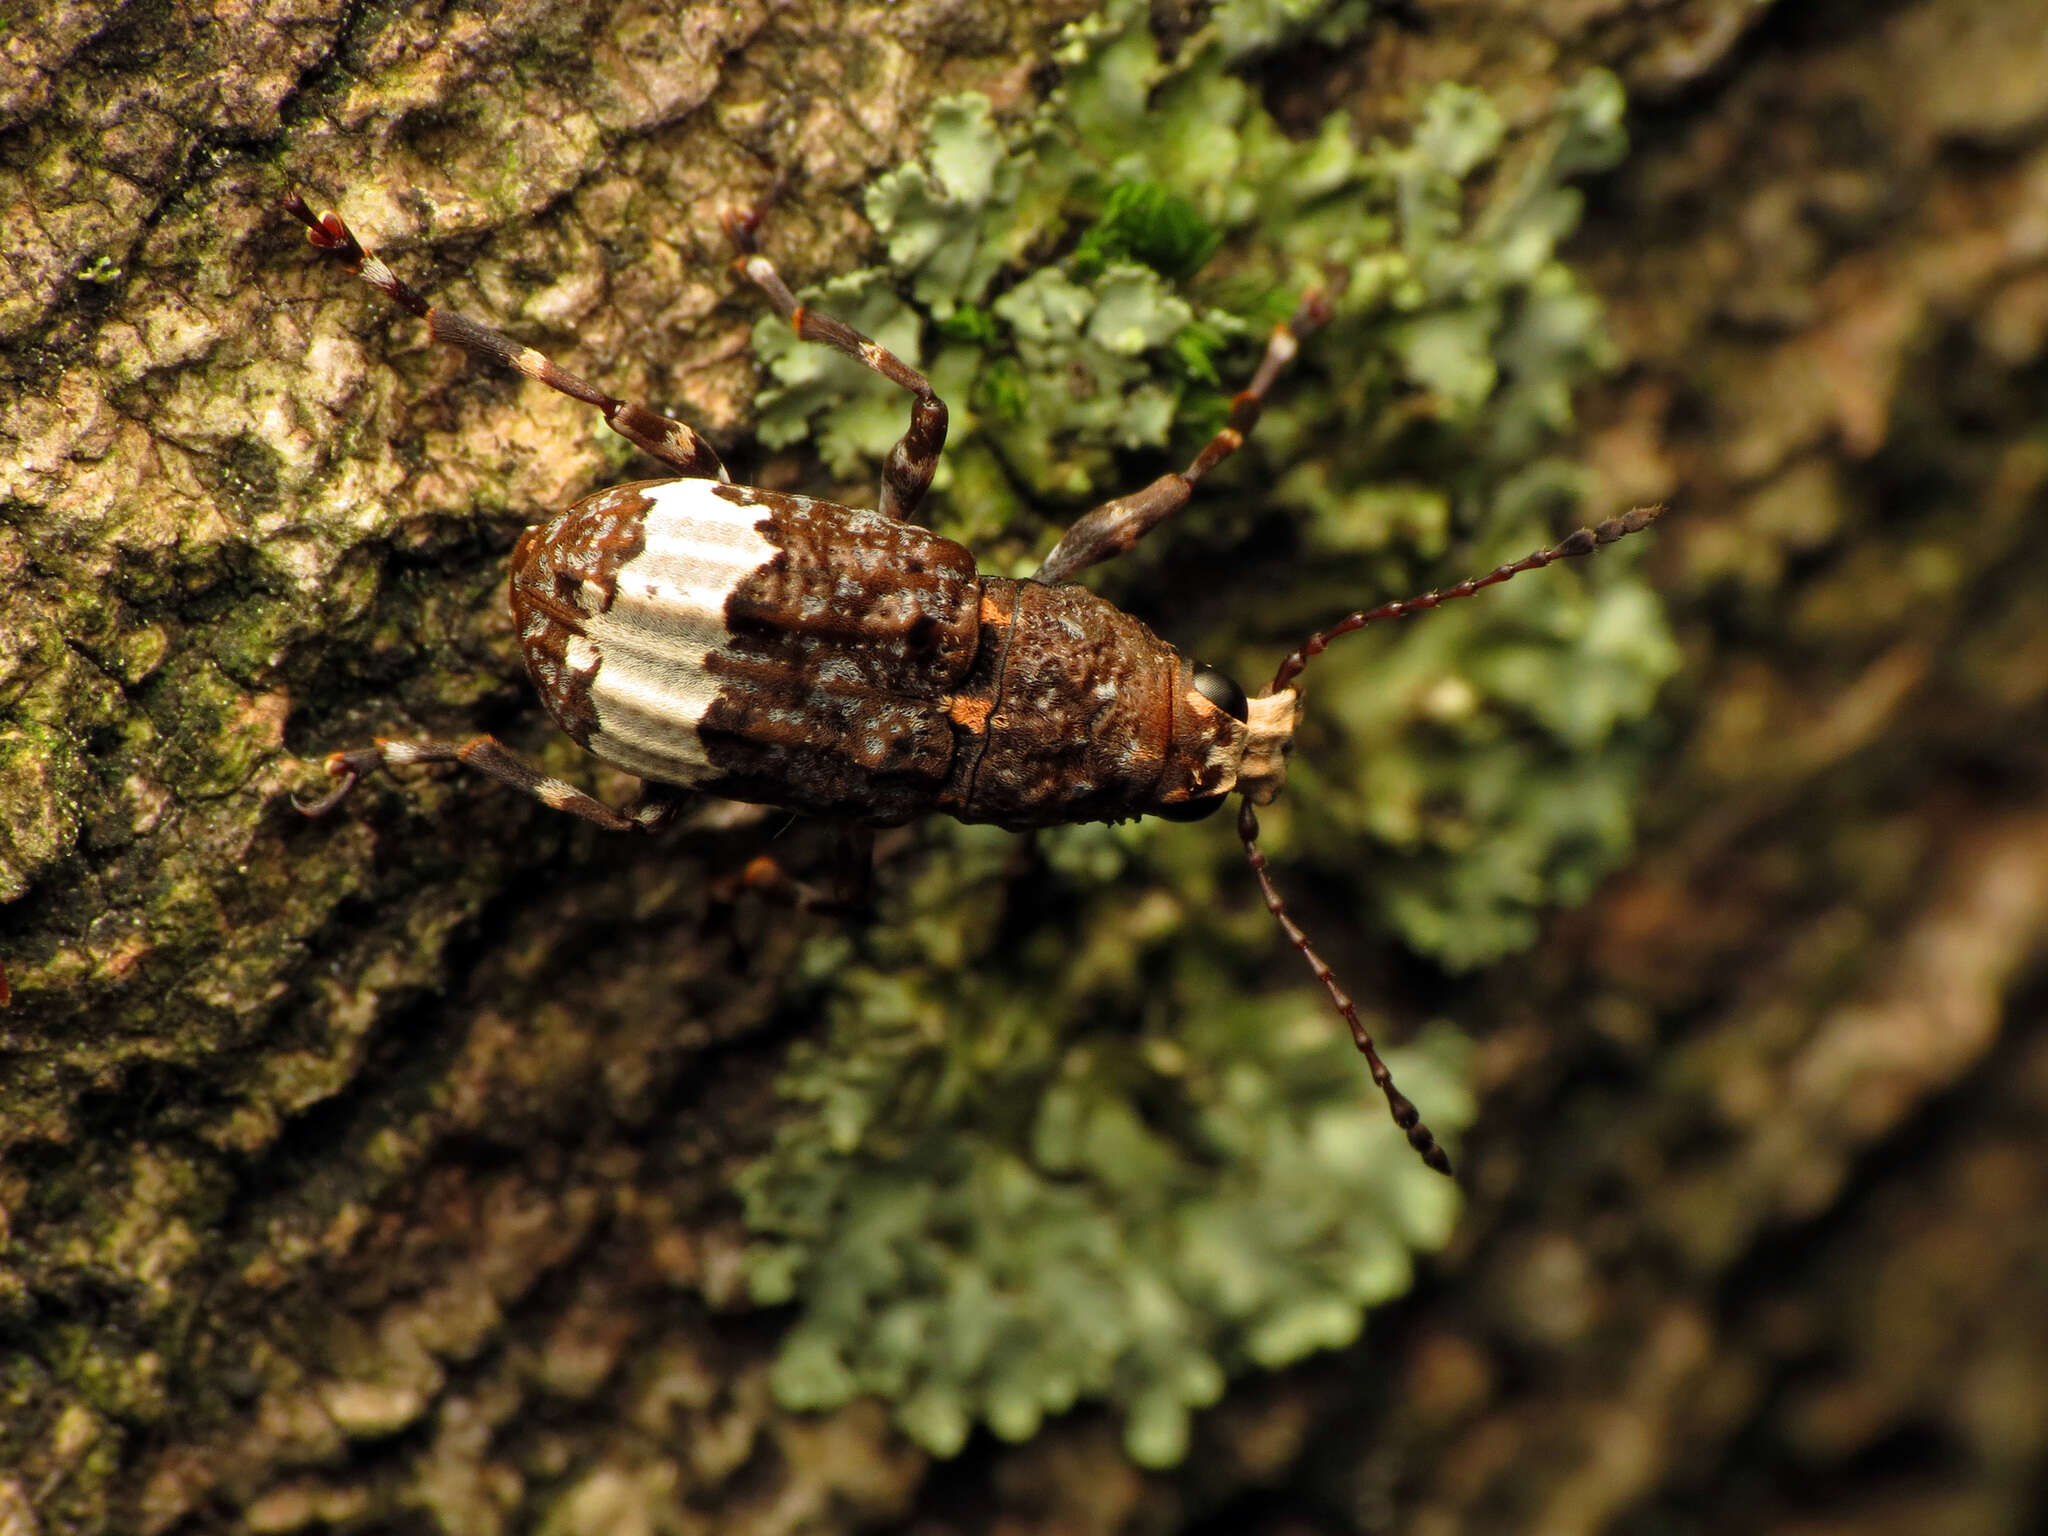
(341, 766)
(314, 809)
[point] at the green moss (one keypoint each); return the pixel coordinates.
(42, 779)
(1059, 1144)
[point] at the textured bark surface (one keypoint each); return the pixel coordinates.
(374, 1172)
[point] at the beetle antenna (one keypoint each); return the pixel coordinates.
(1406, 1115)
(1583, 542)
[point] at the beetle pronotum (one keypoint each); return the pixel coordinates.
(845, 663)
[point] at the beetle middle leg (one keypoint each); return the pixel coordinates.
(848, 893)
(656, 807)
(1115, 526)
(907, 474)
(670, 441)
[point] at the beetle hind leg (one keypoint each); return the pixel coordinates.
(908, 472)
(676, 445)
(656, 807)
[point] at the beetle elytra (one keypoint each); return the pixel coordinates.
(845, 663)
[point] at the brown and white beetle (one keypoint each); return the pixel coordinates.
(844, 663)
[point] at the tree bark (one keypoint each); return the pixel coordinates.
(374, 1172)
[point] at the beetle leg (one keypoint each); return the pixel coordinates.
(675, 444)
(907, 474)
(853, 867)
(850, 892)
(1116, 525)
(487, 755)
(764, 874)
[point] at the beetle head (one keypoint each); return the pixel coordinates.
(1240, 745)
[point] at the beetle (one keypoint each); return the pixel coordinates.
(846, 663)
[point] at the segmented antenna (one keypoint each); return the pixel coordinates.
(1570, 547)
(1583, 542)
(1406, 1115)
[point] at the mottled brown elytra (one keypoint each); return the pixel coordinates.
(844, 663)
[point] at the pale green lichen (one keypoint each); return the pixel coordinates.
(1088, 1161)
(1058, 1144)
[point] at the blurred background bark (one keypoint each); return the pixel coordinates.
(374, 1175)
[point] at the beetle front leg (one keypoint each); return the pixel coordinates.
(1115, 526)
(656, 807)
(907, 474)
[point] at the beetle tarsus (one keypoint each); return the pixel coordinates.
(326, 231)
(348, 777)
(492, 758)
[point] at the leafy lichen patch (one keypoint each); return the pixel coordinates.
(1081, 1154)
(1001, 1200)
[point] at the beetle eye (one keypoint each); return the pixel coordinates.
(1192, 810)
(1219, 690)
